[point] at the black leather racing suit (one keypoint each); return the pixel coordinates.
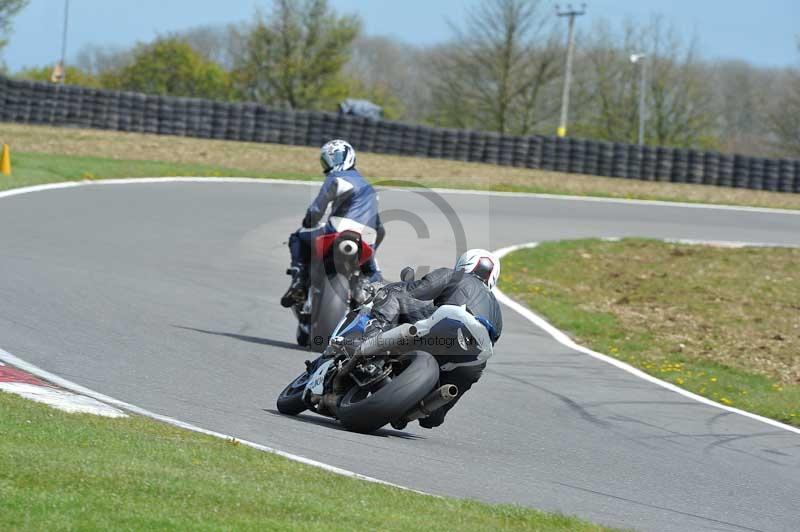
(416, 300)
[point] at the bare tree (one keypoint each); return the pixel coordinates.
(785, 122)
(784, 118)
(381, 60)
(736, 101)
(95, 59)
(8, 10)
(679, 110)
(220, 43)
(495, 73)
(680, 95)
(606, 85)
(394, 73)
(743, 97)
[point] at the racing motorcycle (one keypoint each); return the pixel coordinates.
(336, 285)
(390, 378)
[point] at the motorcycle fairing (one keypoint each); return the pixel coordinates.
(316, 382)
(323, 244)
(456, 323)
(357, 325)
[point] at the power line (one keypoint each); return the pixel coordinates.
(571, 13)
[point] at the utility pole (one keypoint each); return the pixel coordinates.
(571, 13)
(640, 58)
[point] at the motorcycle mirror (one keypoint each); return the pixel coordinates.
(407, 274)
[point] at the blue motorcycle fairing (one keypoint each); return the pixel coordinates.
(357, 325)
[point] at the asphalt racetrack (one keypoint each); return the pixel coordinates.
(166, 296)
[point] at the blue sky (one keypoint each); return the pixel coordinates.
(762, 32)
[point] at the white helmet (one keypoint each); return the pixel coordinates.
(482, 264)
(337, 155)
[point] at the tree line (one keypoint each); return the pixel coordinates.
(501, 70)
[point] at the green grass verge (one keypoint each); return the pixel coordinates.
(722, 323)
(62, 471)
(36, 169)
(31, 168)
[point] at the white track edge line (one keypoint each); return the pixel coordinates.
(77, 388)
(254, 180)
(60, 399)
(565, 340)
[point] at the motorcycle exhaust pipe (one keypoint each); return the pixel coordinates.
(433, 401)
(348, 248)
(384, 341)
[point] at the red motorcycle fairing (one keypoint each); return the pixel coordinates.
(323, 244)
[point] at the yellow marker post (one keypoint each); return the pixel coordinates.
(5, 160)
(562, 132)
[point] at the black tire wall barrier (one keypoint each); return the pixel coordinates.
(56, 105)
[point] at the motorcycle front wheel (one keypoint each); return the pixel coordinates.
(290, 400)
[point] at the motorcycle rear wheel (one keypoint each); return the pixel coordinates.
(330, 308)
(362, 410)
(301, 335)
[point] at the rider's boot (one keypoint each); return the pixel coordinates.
(435, 419)
(298, 289)
(399, 424)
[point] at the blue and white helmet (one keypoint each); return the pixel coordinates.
(337, 155)
(481, 263)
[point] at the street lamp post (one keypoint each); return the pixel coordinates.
(640, 58)
(63, 64)
(571, 14)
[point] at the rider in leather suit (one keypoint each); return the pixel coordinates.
(468, 284)
(354, 207)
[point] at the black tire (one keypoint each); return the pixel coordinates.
(301, 336)
(368, 414)
(290, 400)
(329, 309)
